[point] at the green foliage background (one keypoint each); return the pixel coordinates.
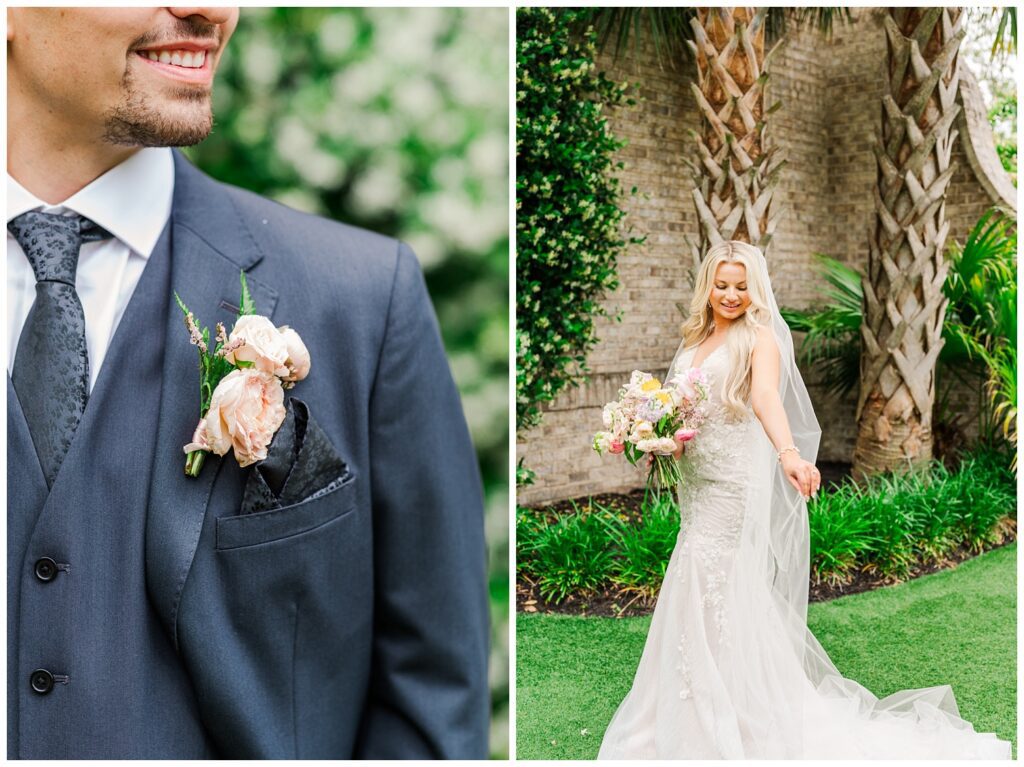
(567, 202)
(396, 119)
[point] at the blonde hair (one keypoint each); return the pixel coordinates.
(742, 331)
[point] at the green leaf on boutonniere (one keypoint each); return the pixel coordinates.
(246, 305)
(181, 304)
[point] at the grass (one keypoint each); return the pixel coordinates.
(955, 627)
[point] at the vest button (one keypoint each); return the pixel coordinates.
(46, 569)
(41, 681)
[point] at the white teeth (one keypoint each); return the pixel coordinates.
(185, 59)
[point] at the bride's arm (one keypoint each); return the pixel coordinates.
(764, 398)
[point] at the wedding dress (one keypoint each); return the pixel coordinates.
(730, 669)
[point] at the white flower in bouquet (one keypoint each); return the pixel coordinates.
(658, 445)
(641, 430)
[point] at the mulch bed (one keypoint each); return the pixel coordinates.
(618, 603)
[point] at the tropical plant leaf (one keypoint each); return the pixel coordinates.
(1007, 22)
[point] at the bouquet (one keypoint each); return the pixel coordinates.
(653, 419)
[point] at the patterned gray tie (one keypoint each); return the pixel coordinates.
(51, 367)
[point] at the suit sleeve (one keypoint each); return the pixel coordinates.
(429, 695)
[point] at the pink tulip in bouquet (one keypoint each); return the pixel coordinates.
(653, 419)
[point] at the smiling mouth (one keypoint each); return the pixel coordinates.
(189, 64)
(730, 306)
(176, 58)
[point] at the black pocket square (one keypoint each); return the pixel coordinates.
(301, 463)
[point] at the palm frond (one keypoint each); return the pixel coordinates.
(668, 29)
(832, 342)
(981, 285)
(1007, 20)
(822, 19)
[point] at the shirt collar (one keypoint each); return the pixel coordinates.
(132, 200)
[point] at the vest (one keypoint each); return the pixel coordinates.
(91, 673)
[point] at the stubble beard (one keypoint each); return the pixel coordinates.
(137, 122)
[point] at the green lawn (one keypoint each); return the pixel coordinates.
(956, 627)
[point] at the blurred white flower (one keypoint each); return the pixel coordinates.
(337, 34)
(262, 60)
(428, 247)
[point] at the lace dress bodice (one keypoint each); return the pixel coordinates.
(723, 442)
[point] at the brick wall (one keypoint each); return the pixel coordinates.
(830, 92)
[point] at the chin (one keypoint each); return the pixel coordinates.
(162, 124)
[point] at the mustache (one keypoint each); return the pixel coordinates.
(191, 27)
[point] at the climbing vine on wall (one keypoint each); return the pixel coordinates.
(568, 214)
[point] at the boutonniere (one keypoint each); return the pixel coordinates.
(241, 384)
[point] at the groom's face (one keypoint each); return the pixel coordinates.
(128, 76)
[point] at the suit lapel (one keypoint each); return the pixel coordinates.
(19, 442)
(211, 247)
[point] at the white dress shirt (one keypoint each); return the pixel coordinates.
(132, 201)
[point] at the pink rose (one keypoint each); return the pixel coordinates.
(616, 446)
(298, 361)
(686, 390)
(264, 345)
(685, 435)
(246, 410)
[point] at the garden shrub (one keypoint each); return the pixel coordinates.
(643, 549)
(888, 526)
(567, 556)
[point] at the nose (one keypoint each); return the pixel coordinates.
(213, 15)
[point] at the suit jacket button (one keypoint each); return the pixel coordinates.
(41, 681)
(46, 569)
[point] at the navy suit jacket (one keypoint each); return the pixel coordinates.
(352, 625)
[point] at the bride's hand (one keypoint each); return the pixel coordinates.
(801, 474)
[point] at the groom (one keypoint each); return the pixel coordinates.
(151, 614)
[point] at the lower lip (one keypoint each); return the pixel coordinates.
(199, 75)
(730, 308)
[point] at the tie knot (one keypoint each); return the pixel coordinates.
(52, 242)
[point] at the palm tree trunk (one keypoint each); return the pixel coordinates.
(904, 304)
(735, 173)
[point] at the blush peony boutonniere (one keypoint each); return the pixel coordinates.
(242, 383)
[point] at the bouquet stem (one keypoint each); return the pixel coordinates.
(664, 474)
(194, 462)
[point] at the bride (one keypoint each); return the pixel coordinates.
(730, 669)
